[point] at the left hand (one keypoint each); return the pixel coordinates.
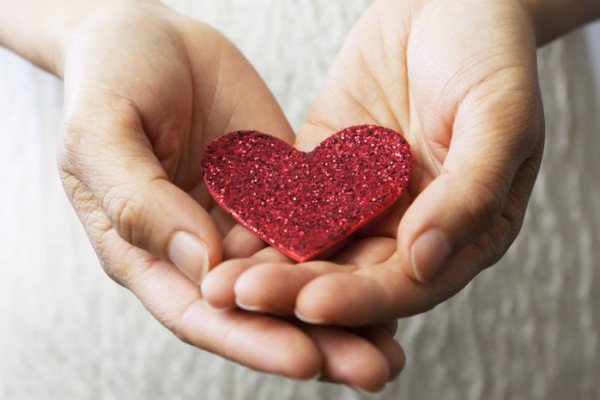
(459, 80)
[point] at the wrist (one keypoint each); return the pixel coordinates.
(553, 18)
(37, 30)
(41, 32)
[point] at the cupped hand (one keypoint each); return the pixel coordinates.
(459, 80)
(145, 91)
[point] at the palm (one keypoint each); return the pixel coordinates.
(408, 67)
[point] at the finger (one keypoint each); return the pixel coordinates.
(359, 299)
(271, 254)
(218, 286)
(272, 287)
(494, 131)
(238, 242)
(487, 249)
(111, 155)
(391, 327)
(385, 291)
(241, 243)
(223, 221)
(389, 348)
(351, 359)
(367, 252)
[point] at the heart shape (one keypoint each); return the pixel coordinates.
(304, 203)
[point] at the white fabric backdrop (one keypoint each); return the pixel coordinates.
(525, 329)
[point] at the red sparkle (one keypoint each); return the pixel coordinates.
(304, 203)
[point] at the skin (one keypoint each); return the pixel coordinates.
(466, 97)
(147, 89)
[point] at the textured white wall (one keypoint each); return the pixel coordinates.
(526, 329)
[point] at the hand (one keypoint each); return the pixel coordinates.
(146, 90)
(459, 80)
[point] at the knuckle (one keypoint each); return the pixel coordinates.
(494, 245)
(487, 204)
(115, 267)
(515, 223)
(491, 248)
(72, 186)
(126, 212)
(122, 262)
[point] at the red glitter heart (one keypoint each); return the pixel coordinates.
(304, 203)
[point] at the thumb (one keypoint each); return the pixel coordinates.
(109, 153)
(492, 135)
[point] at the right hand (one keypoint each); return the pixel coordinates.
(145, 91)
(473, 117)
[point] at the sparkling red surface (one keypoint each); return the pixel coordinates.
(303, 203)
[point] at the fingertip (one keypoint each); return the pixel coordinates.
(397, 366)
(218, 286)
(241, 243)
(389, 348)
(248, 290)
(299, 358)
(311, 364)
(215, 292)
(293, 354)
(376, 377)
(351, 359)
(269, 287)
(339, 299)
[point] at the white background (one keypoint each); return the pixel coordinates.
(526, 329)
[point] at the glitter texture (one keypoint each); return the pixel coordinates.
(304, 203)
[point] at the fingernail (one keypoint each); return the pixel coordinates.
(429, 253)
(248, 307)
(308, 320)
(190, 255)
(318, 376)
(365, 391)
